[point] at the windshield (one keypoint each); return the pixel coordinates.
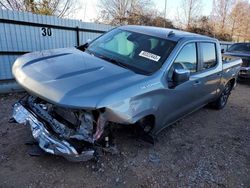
(242, 47)
(135, 51)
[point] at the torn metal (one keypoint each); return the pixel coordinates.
(68, 133)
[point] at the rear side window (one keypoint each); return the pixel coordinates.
(208, 52)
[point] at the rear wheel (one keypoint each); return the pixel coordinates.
(222, 100)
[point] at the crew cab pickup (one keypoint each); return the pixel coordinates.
(147, 77)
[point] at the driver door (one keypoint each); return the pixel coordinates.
(184, 98)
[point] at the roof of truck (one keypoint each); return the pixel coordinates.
(166, 33)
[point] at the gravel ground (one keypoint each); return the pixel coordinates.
(206, 149)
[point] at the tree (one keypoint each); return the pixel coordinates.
(160, 21)
(118, 12)
(231, 19)
(150, 20)
(202, 26)
(60, 8)
(239, 21)
(220, 13)
(190, 10)
(136, 12)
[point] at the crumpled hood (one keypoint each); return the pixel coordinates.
(72, 78)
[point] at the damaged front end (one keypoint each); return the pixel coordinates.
(73, 134)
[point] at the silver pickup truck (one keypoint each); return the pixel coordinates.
(146, 77)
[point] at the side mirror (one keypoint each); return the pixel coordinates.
(222, 51)
(180, 76)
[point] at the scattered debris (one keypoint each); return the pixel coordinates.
(35, 150)
(117, 180)
(154, 158)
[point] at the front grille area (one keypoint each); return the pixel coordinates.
(246, 63)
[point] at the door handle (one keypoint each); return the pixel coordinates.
(196, 83)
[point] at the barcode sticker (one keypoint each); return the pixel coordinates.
(150, 56)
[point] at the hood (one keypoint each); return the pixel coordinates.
(71, 78)
(238, 54)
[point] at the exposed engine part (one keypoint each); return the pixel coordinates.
(46, 140)
(55, 131)
(107, 141)
(101, 122)
(81, 130)
(66, 114)
(85, 130)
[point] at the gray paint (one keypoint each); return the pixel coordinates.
(74, 79)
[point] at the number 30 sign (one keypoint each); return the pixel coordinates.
(46, 31)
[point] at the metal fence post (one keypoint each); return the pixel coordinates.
(77, 36)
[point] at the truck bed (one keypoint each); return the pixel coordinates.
(231, 66)
(230, 61)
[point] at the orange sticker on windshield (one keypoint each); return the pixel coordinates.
(150, 56)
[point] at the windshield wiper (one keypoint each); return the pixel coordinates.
(116, 62)
(111, 60)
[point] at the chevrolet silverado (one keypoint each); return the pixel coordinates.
(147, 77)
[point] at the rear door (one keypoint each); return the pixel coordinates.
(202, 60)
(210, 71)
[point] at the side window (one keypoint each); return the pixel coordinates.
(186, 59)
(208, 51)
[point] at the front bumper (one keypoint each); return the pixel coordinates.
(244, 72)
(48, 142)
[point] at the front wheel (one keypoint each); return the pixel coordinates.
(222, 100)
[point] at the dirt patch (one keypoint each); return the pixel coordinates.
(208, 148)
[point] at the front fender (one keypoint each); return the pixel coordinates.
(131, 110)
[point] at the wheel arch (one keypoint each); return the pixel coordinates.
(232, 81)
(150, 118)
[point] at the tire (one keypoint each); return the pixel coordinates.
(146, 125)
(221, 102)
